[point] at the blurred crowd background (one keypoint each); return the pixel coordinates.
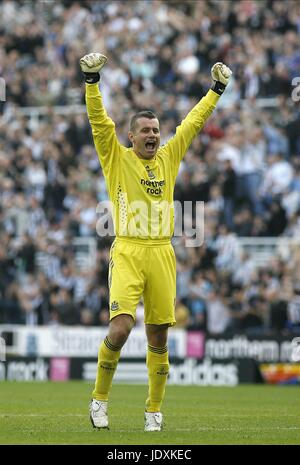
(245, 164)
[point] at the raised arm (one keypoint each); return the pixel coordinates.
(192, 124)
(103, 128)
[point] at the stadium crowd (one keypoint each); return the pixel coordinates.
(245, 164)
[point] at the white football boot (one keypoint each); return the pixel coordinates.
(98, 414)
(153, 421)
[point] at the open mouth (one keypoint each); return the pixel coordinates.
(150, 145)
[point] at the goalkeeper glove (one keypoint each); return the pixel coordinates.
(91, 65)
(220, 74)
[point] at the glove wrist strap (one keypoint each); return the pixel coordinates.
(91, 78)
(218, 87)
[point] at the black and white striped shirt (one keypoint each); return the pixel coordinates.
(294, 310)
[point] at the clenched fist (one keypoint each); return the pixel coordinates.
(90, 65)
(220, 73)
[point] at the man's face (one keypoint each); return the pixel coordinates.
(145, 138)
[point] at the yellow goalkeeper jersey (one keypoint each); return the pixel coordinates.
(141, 191)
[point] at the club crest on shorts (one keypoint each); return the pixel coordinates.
(114, 306)
(150, 172)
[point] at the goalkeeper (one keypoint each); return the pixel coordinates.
(142, 259)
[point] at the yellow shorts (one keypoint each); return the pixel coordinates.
(138, 270)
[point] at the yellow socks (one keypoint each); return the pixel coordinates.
(158, 370)
(108, 358)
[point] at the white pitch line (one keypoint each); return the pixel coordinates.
(3, 415)
(174, 430)
(210, 429)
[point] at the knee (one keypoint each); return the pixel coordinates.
(157, 340)
(118, 336)
(119, 329)
(157, 335)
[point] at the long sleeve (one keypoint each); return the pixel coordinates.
(103, 129)
(178, 145)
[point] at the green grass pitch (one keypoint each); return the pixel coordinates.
(57, 413)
